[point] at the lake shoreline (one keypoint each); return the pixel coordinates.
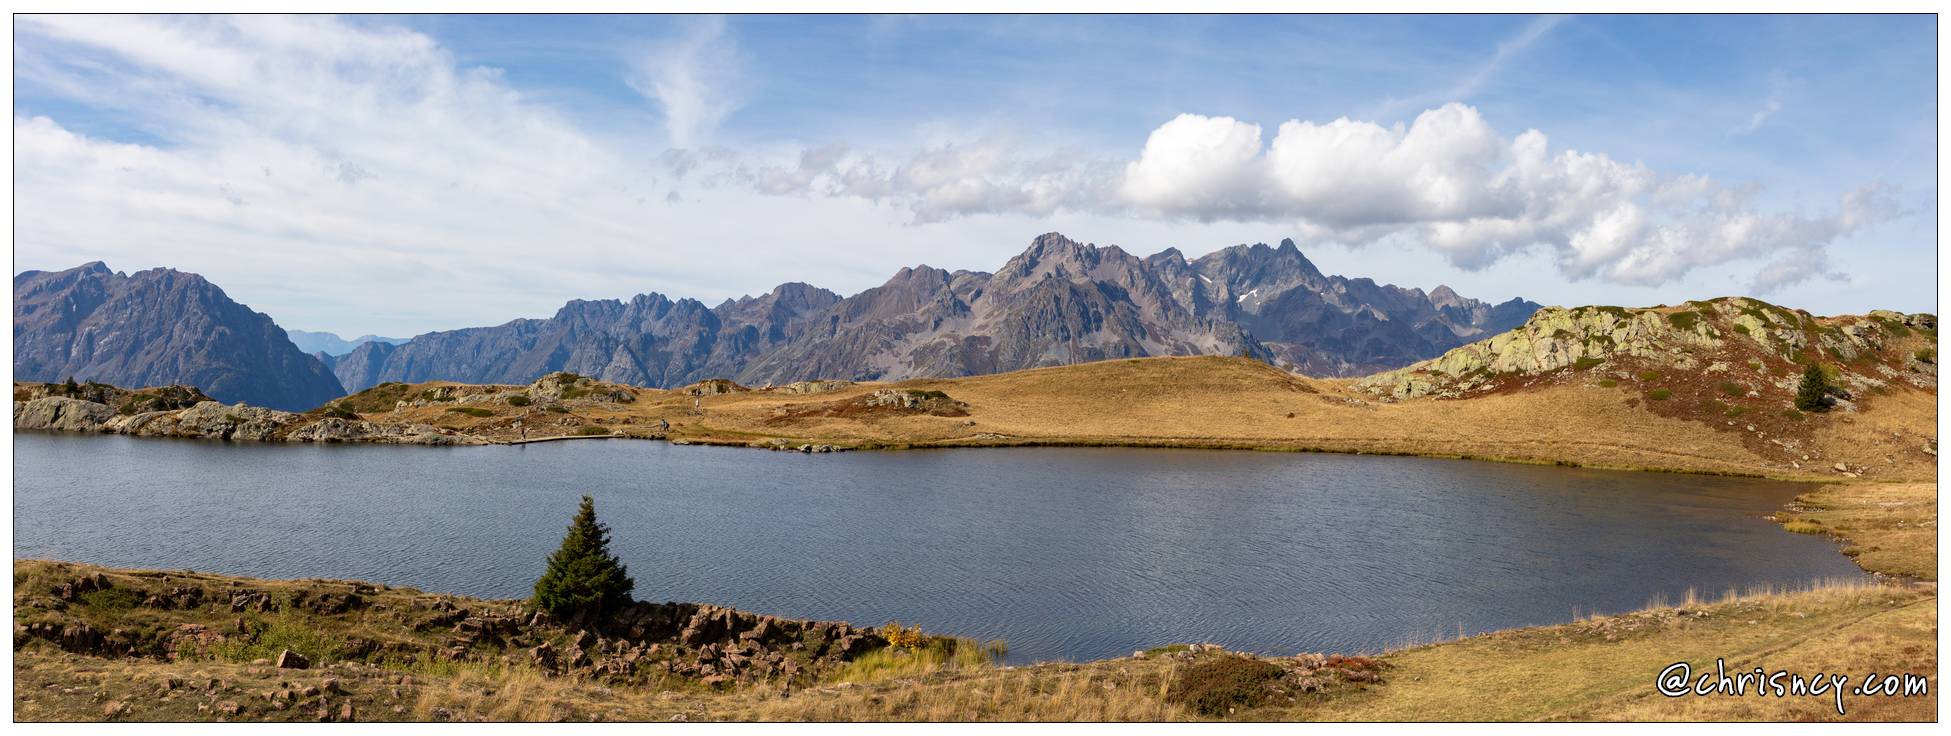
(789, 446)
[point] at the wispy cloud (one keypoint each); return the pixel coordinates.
(1466, 88)
(1776, 86)
(1507, 50)
(692, 80)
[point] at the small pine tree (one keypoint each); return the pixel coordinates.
(69, 387)
(583, 578)
(1813, 394)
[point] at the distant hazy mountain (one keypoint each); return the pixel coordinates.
(331, 344)
(1058, 302)
(158, 327)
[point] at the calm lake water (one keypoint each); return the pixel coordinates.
(1066, 553)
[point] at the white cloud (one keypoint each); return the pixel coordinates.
(360, 179)
(691, 81)
(1447, 180)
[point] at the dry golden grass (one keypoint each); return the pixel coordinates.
(1239, 403)
(1605, 668)
(1891, 527)
(1598, 668)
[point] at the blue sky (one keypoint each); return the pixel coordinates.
(399, 174)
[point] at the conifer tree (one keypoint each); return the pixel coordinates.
(1813, 394)
(583, 578)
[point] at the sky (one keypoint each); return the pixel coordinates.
(401, 174)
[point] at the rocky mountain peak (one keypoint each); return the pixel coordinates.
(158, 327)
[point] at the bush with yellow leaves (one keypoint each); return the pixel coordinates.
(900, 638)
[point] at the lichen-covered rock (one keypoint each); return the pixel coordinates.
(713, 387)
(812, 387)
(1682, 338)
(215, 420)
(62, 414)
(335, 429)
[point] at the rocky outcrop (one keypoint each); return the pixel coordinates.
(219, 421)
(158, 327)
(1696, 336)
(334, 429)
(641, 643)
(62, 414)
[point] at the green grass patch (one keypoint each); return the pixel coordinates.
(936, 654)
(576, 392)
(518, 400)
(1734, 411)
(271, 635)
(1607, 383)
(1168, 649)
(1731, 388)
(1793, 415)
(110, 600)
(1659, 394)
(1587, 363)
(473, 411)
(1684, 320)
(592, 431)
(1925, 355)
(1649, 375)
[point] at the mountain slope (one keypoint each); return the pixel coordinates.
(158, 327)
(1059, 302)
(333, 345)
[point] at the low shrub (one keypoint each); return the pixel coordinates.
(518, 400)
(1733, 389)
(1659, 394)
(1803, 527)
(1218, 685)
(1684, 320)
(1649, 375)
(1607, 383)
(1586, 363)
(473, 411)
(903, 638)
(112, 600)
(1925, 355)
(592, 431)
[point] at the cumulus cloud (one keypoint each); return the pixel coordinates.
(1446, 180)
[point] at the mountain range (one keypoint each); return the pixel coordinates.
(331, 344)
(158, 327)
(1058, 302)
